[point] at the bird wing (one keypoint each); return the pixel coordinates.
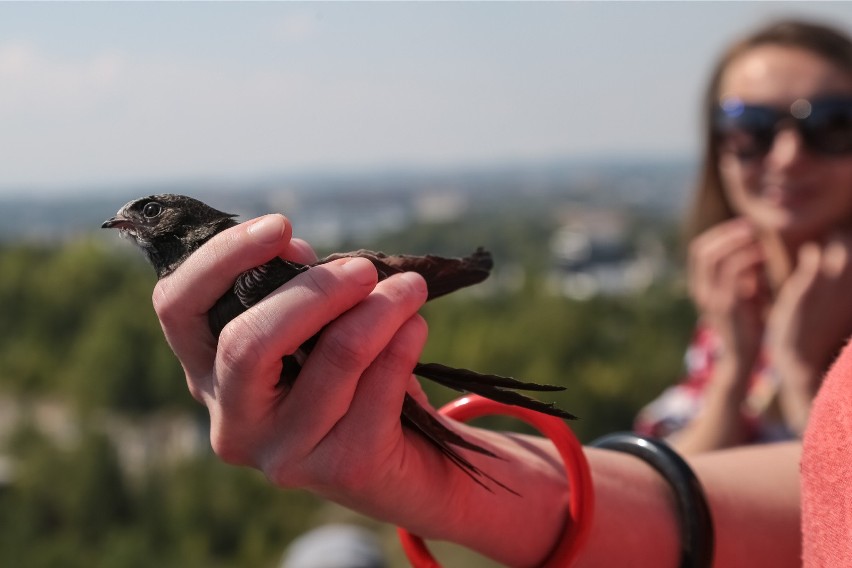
(253, 285)
(249, 288)
(443, 275)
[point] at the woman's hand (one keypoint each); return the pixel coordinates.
(728, 285)
(809, 323)
(729, 288)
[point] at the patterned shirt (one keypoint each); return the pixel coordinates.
(679, 404)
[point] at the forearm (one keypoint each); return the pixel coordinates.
(634, 522)
(720, 423)
(753, 494)
(799, 385)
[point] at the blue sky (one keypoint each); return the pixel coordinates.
(101, 95)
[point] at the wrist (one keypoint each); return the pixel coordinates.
(635, 514)
(494, 522)
(730, 379)
(796, 395)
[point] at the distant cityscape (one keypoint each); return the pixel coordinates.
(591, 253)
(329, 208)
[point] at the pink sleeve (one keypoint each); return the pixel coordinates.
(827, 471)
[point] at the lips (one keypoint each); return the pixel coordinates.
(786, 194)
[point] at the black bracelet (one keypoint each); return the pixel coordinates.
(697, 537)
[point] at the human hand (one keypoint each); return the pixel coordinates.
(361, 364)
(809, 322)
(729, 288)
(337, 431)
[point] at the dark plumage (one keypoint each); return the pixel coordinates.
(169, 228)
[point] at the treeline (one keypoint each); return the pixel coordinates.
(77, 322)
(78, 327)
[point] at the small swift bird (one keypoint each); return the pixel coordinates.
(169, 228)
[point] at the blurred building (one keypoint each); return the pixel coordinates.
(597, 252)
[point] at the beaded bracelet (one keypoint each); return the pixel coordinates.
(581, 498)
(697, 536)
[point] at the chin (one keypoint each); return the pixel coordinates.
(792, 225)
(803, 230)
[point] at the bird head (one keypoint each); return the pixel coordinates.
(168, 228)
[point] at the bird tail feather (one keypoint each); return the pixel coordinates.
(418, 418)
(494, 387)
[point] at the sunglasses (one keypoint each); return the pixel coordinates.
(748, 131)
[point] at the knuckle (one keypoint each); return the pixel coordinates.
(406, 287)
(216, 249)
(318, 279)
(198, 393)
(239, 349)
(164, 301)
(406, 350)
(226, 448)
(346, 347)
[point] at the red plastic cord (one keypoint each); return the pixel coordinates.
(581, 499)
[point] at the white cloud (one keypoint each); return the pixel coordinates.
(35, 84)
(15, 58)
(296, 27)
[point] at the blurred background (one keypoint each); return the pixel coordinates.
(561, 136)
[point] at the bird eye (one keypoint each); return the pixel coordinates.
(152, 210)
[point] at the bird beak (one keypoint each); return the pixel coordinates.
(117, 222)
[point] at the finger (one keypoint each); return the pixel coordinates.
(709, 251)
(381, 390)
(329, 379)
(836, 258)
(741, 270)
(808, 266)
(369, 437)
(736, 277)
(727, 235)
(300, 251)
(212, 270)
(810, 259)
(251, 346)
(183, 299)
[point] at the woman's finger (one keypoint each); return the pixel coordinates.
(710, 250)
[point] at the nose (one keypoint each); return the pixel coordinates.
(788, 147)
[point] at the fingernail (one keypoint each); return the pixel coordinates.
(362, 270)
(267, 230)
(415, 280)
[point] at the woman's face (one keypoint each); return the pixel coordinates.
(789, 190)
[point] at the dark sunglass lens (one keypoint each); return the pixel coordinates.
(745, 131)
(829, 129)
